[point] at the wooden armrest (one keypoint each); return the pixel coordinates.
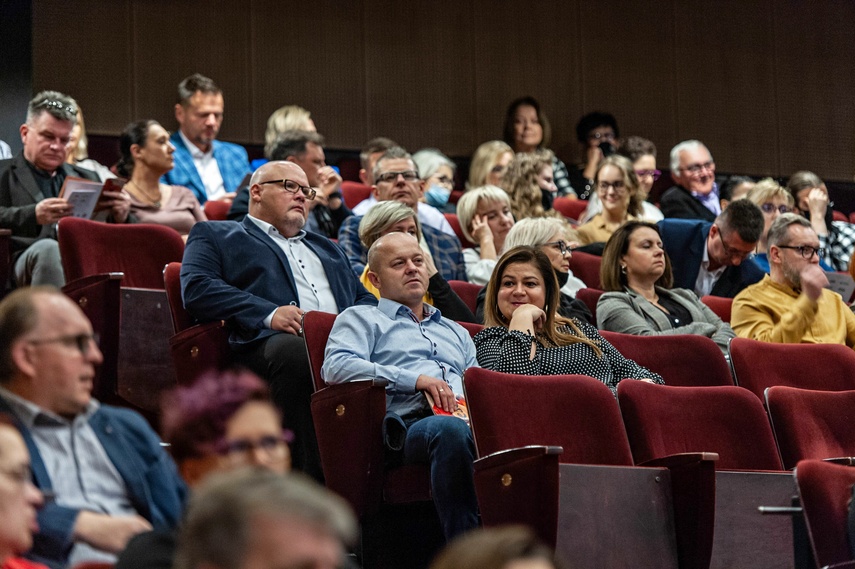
(200, 348)
(680, 459)
(844, 460)
(511, 455)
(843, 565)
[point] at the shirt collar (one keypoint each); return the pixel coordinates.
(393, 309)
(268, 229)
(194, 150)
(29, 413)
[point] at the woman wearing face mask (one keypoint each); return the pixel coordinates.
(437, 172)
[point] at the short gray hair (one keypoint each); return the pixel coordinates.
(383, 215)
(429, 160)
(56, 104)
(217, 527)
(534, 232)
(469, 201)
(683, 146)
(779, 231)
(394, 153)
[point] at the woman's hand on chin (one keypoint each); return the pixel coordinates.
(527, 318)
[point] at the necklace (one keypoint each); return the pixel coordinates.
(140, 193)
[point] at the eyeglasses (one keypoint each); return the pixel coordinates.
(51, 104)
(444, 181)
(806, 251)
(618, 186)
(697, 168)
(240, 451)
(293, 187)
(610, 136)
(560, 245)
(769, 208)
(389, 177)
(644, 173)
(20, 475)
(729, 251)
(82, 342)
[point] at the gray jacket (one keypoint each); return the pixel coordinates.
(630, 313)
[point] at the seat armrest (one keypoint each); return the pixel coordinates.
(680, 459)
(198, 349)
(843, 460)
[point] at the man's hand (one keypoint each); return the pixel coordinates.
(52, 210)
(229, 197)
(441, 392)
(108, 533)
(330, 181)
(118, 203)
(288, 319)
(813, 281)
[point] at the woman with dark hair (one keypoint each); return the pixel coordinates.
(525, 335)
(598, 136)
(507, 547)
(146, 155)
(637, 272)
(526, 130)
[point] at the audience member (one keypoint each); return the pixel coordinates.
(283, 119)
(305, 149)
(598, 137)
(437, 173)
(525, 334)
(105, 465)
(146, 155)
(212, 169)
(527, 130)
(396, 178)
(368, 157)
(637, 272)
(19, 498)
(696, 194)
(530, 184)
(489, 164)
(617, 192)
(734, 187)
(389, 217)
(713, 258)
(837, 238)
(260, 276)
(253, 519)
(78, 150)
(790, 304)
(366, 342)
(221, 422)
(29, 190)
(506, 547)
(485, 218)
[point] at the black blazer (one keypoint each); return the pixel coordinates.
(678, 202)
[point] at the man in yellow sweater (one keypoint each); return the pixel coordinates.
(790, 305)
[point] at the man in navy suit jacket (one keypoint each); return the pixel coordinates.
(712, 258)
(210, 168)
(260, 276)
(110, 476)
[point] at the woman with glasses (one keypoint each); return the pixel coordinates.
(489, 164)
(436, 171)
(526, 335)
(636, 271)
(146, 155)
(617, 190)
(553, 239)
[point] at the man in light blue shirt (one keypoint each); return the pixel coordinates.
(409, 344)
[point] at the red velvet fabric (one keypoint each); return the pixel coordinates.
(587, 268)
(468, 293)
(217, 210)
(824, 367)
(317, 326)
(682, 360)
(811, 424)
(139, 250)
(354, 192)
(720, 305)
(590, 296)
(663, 420)
(572, 209)
(575, 412)
(825, 490)
(181, 319)
(454, 222)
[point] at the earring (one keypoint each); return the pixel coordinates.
(623, 269)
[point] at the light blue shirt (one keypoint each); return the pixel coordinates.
(389, 342)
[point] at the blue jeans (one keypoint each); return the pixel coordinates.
(446, 444)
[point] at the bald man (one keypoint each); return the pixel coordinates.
(261, 275)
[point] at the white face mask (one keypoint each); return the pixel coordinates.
(437, 196)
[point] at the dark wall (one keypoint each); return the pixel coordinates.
(767, 84)
(16, 68)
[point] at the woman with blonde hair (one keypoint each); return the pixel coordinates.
(617, 190)
(78, 150)
(489, 164)
(530, 184)
(289, 117)
(391, 216)
(485, 218)
(505, 547)
(773, 200)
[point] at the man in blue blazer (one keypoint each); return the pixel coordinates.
(261, 275)
(109, 475)
(713, 258)
(212, 169)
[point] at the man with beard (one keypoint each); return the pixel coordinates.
(790, 305)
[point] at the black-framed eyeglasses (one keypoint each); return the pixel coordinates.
(697, 168)
(58, 105)
(82, 342)
(770, 207)
(293, 187)
(273, 446)
(656, 174)
(729, 251)
(806, 251)
(389, 177)
(560, 245)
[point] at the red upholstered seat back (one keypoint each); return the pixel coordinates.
(472, 328)
(454, 222)
(317, 326)
(720, 305)
(662, 420)
(576, 412)
(587, 268)
(354, 192)
(590, 296)
(468, 293)
(217, 210)
(181, 319)
(811, 424)
(825, 490)
(572, 209)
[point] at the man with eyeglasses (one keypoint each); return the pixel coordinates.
(696, 194)
(397, 178)
(261, 275)
(109, 477)
(791, 305)
(29, 190)
(714, 258)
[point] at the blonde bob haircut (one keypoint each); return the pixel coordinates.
(534, 232)
(768, 189)
(484, 159)
(467, 207)
(289, 117)
(381, 217)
